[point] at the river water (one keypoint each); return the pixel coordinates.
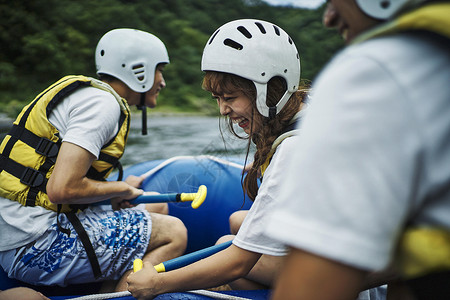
(170, 136)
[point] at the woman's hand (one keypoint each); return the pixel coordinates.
(142, 284)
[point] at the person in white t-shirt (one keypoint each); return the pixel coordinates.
(368, 185)
(253, 72)
(54, 164)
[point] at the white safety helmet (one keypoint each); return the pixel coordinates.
(384, 9)
(131, 56)
(258, 51)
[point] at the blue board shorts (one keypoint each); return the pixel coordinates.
(118, 238)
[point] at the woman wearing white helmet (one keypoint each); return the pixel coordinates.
(376, 146)
(253, 72)
(55, 161)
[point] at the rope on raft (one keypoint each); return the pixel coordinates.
(210, 294)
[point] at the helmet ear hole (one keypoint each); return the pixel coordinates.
(139, 72)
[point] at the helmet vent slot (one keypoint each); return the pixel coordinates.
(245, 32)
(385, 4)
(261, 27)
(233, 44)
(277, 30)
(139, 71)
(214, 35)
(290, 40)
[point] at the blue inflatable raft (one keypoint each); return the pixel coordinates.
(184, 174)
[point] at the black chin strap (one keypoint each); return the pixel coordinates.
(142, 107)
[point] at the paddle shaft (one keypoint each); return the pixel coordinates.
(159, 198)
(190, 258)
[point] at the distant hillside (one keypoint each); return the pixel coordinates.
(43, 40)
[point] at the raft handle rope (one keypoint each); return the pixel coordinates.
(171, 265)
(211, 294)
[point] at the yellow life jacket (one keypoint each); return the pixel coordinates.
(433, 17)
(28, 152)
(420, 250)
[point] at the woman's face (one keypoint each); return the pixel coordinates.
(238, 107)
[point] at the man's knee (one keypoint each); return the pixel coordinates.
(160, 208)
(178, 229)
(168, 229)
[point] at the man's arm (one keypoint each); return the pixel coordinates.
(68, 183)
(307, 276)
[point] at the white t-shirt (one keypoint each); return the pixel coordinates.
(374, 152)
(88, 118)
(251, 235)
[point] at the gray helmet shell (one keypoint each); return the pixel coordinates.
(258, 51)
(131, 56)
(384, 9)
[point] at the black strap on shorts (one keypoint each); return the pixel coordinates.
(86, 243)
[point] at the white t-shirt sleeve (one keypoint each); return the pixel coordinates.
(347, 172)
(251, 235)
(87, 118)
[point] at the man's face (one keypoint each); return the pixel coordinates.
(158, 84)
(347, 18)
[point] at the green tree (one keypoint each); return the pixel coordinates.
(44, 40)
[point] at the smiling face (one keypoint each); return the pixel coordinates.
(347, 18)
(238, 107)
(235, 97)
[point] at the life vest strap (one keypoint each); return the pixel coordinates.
(27, 175)
(42, 145)
(114, 161)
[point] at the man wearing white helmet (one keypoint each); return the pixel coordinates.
(376, 144)
(55, 161)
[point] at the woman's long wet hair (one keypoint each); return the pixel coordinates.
(224, 83)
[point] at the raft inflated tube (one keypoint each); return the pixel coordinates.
(196, 198)
(190, 258)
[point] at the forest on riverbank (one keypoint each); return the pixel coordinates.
(44, 40)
